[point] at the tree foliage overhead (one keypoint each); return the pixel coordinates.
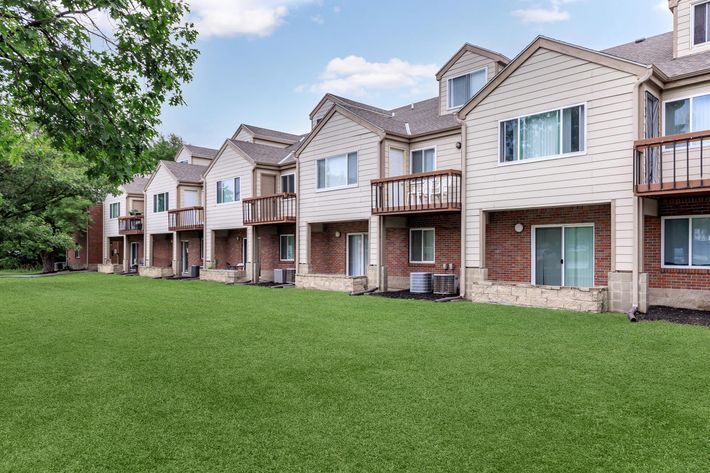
(94, 74)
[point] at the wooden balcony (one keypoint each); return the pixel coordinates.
(130, 225)
(189, 218)
(436, 191)
(672, 165)
(269, 210)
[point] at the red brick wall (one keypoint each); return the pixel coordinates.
(137, 239)
(72, 260)
(227, 249)
(672, 278)
(91, 251)
(328, 253)
(270, 248)
(162, 251)
(447, 244)
(115, 250)
(509, 254)
(194, 252)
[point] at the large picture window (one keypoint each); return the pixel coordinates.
(160, 202)
(462, 88)
(288, 247)
(421, 245)
(229, 190)
(701, 23)
(686, 242)
(337, 171)
(544, 135)
(687, 115)
(115, 210)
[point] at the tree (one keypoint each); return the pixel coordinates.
(163, 149)
(94, 74)
(43, 200)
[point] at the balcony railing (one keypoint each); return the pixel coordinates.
(674, 164)
(272, 209)
(190, 218)
(436, 191)
(130, 225)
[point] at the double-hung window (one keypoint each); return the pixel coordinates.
(337, 171)
(160, 202)
(115, 210)
(423, 160)
(686, 242)
(288, 247)
(288, 183)
(687, 115)
(544, 135)
(229, 190)
(421, 245)
(462, 88)
(701, 23)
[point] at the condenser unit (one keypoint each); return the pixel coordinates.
(420, 283)
(445, 284)
(279, 276)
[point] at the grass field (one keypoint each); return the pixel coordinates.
(112, 373)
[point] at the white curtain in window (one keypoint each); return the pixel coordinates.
(579, 256)
(701, 113)
(701, 242)
(540, 135)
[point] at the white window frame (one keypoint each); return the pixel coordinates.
(690, 111)
(110, 210)
(294, 180)
(704, 44)
(422, 229)
(411, 157)
(561, 155)
(366, 249)
(237, 189)
(690, 242)
(346, 186)
(292, 235)
(155, 202)
(449, 89)
(533, 265)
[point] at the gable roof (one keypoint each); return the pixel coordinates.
(185, 173)
(136, 186)
(265, 154)
(345, 101)
(201, 151)
(268, 134)
(471, 48)
(542, 42)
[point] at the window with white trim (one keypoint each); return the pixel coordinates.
(337, 171)
(423, 160)
(686, 242)
(421, 245)
(160, 202)
(462, 88)
(288, 247)
(701, 23)
(544, 135)
(229, 190)
(288, 183)
(687, 115)
(114, 210)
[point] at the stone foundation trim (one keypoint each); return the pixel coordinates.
(681, 298)
(110, 268)
(155, 272)
(226, 276)
(332, 282)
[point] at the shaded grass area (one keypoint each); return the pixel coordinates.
(108, 373)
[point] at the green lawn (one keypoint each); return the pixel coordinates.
(113, 373)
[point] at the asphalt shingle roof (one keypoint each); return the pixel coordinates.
(202, 152)
(184, 172)
(136, 186)
(265, 154)
(278, 135)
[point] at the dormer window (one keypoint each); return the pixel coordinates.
(701, 23)
(462, 88)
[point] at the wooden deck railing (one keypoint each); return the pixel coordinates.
(436, 191)
(674, 164)
(130, 225)
(190, 218)
(272, 209)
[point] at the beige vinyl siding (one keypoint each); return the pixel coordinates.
(200, 161)
(338, 136)
(269, 143)
(684, 31)
(321, 112)
(550, 80)
(111, 224)
(447, 156)
(469, 62)
(163, 181)
(229, 165)
(184, 156)
(244, 135)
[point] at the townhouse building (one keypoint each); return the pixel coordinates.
(88, 253)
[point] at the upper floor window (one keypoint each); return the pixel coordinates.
(114, 210)
(423, 160)
(543, 135)
(701, 23)
(687, 115)
(160, 202)
(337, 171)
(229, 190)
(288, 183)
(462, 88)
(686, 241)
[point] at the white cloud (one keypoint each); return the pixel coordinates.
(354, 75)
(662, 5)
(241, 17)
(550, 13)
(318, 19)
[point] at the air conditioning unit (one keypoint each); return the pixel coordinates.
(420, 283)
(289, 276)
(279, 276)
(445, 284)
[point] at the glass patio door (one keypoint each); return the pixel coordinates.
(564, 256)
(357, 254)
(185, 250)
(134, 254)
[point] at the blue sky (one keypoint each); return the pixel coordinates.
(268, 62)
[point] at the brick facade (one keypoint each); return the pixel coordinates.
(135, 239)
(509, 254)
(194, 252)
(162, 250)
(447, 244)
(328, 254)
(270, 247)
(228, 247)
(115, 250)
(90, 242)
(672, 278)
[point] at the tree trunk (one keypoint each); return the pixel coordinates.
(48, 262)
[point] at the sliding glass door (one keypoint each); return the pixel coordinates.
(357, 254)
(564, 255)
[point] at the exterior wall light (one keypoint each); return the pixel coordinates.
(519, 227)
